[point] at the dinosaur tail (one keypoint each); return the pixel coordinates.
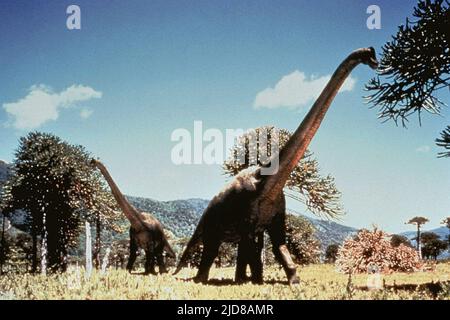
(195, 239)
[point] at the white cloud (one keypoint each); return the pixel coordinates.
(423, 149)
(86, 113)
(296, 90)
(41, 104)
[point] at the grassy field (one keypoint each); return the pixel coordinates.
(317, 282)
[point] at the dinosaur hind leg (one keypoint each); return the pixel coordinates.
(160, 260)
(249, 253)
(241, 264)
(256, 265)
(255, 262)
(150, 260)
(210, 252)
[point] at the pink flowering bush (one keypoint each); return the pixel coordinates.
(373, 248)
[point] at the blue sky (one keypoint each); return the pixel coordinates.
(138, 70)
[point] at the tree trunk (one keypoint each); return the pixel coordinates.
(98, 244)
(2, 249)
(419, 247)
(449, 239)
(34, 259)
(88, 253)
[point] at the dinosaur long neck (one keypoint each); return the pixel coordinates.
(295, 148)
(131, 213)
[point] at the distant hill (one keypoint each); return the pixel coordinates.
(178, 216)
(330, 232)
(442, 232)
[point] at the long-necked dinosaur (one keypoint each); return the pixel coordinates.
(146, 232)
(253, 203)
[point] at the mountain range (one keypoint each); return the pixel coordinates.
(442, 232)
(4, 171)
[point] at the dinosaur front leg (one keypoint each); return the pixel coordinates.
(133, 251)
(277, 233)
(282, 254)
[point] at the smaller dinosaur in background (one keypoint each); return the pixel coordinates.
(146, 232)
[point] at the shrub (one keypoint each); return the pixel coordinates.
(397, 240)
(370, 248)
(331, 253)
(301, 241)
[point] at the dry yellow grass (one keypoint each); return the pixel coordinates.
(317, 282)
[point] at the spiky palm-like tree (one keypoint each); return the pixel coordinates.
(318, 193)
(418, 222)
(414, 66)
(57, 188)
(444, 142)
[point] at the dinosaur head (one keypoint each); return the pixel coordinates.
(368, 57)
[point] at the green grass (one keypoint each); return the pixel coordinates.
(317, 282)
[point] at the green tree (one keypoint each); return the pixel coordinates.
(331, 253)
(428, 236)
(3, 242)
(54, 183)
(195, 256)
(4, 246)
(305, 183)
(397, 240)
(120, 253)
(418, 222)
(432, 246)
(444, 142)
(227, 255)
(17, 250)
(414, 66)
(301, 241)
